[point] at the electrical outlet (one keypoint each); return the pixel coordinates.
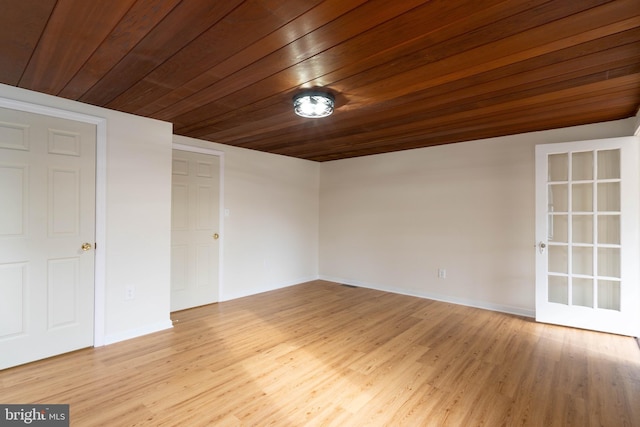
(442, 273)
(129, 292)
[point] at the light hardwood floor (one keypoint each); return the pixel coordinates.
(320, 354)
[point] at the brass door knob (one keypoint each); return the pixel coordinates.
(86, 247)
(216, 236)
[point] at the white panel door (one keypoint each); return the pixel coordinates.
(194, 229)
(47, 196)
(587, 232)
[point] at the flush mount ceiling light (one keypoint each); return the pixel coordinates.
(313, 104)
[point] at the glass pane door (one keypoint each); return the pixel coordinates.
(586, 274)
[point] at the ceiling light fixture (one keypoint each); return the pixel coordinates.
(313, 104)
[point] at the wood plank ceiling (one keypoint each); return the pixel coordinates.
(406, 74)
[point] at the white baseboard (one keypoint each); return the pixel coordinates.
(138, 332)
(437, 297)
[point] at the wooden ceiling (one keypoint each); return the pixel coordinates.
(405, 74)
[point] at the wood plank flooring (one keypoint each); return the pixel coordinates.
(321, 354)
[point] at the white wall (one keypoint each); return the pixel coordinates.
(271, 234)
(391, 221)
(136, 220)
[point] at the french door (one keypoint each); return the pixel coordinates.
(587, 235)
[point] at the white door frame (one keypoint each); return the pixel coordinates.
(101, 200)
(222, 211)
